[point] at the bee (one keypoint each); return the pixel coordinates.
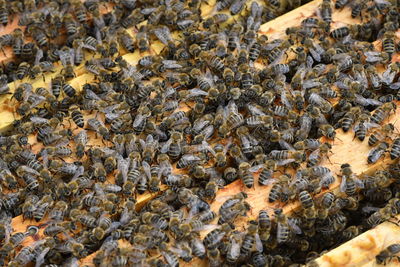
(316, 156)
(213, 238)
(349, 118)
(350, 183)
(327, 201)
(380, 134)
(154, 180)
(341, 3)
(142, 40)
(387, 254)
(197, 246)
(38, 35)
(379, 216)
(245, 174)
(376, 153)
(211, 189)
(229, 213)
(382, 112)
(173, 146)
(266, 175)
(42, 207)
(388, 43)
(340, 33)
(275, 193)
(327, 130)
(98, 127)
(126, 41)
(357, 7)
(283, 230)
(395, 149)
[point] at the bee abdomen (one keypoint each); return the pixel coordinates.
(77, 117)
(395, 150)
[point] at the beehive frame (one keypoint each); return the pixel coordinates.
(357, 252)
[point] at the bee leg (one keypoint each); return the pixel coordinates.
(44, 77)
(2, 50)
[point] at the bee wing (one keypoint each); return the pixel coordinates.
(343, 184)
(234, 250)
(254, 110)
(165, 168)
(370, 125)
(294, 227)
(388, 76)
(99, 190)
(62, 142)
(4, 166)
(39, 259)
(383, 2)
(313, 155)
(126, 216)
(146, 169)
(149, 139)
(196, 92)
(359, 183)
(45, 158)
(91, 95)
(38, 56)
(171, 64)
(309, 61)
(207, 147)
(259, 244)
(30, 170)
(366, 101)
(142, 144)
(78, 172)
(327, 180)
(315, 55)
(256, 168)
(372, 58)
(254, 9)
(249, 21)
(38, 99)
(341, 57)
(284, 162)
(308, 84)
(285, 101)
(64, 57)
(341, 85)
(278, 58)
(273, 44)
(190, 157)
(147, 11)
(395, 86)
(138, 120)
(286, 145)
(123, 167)
(163, 34)
(361, 77)
(165, 147)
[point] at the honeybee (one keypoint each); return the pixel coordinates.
(380, 134)
(350, 183)
(284, 226)
(387, 254)
(382, 112)
(376, 153)
(213, 238)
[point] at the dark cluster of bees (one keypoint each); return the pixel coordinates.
(184, 123)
